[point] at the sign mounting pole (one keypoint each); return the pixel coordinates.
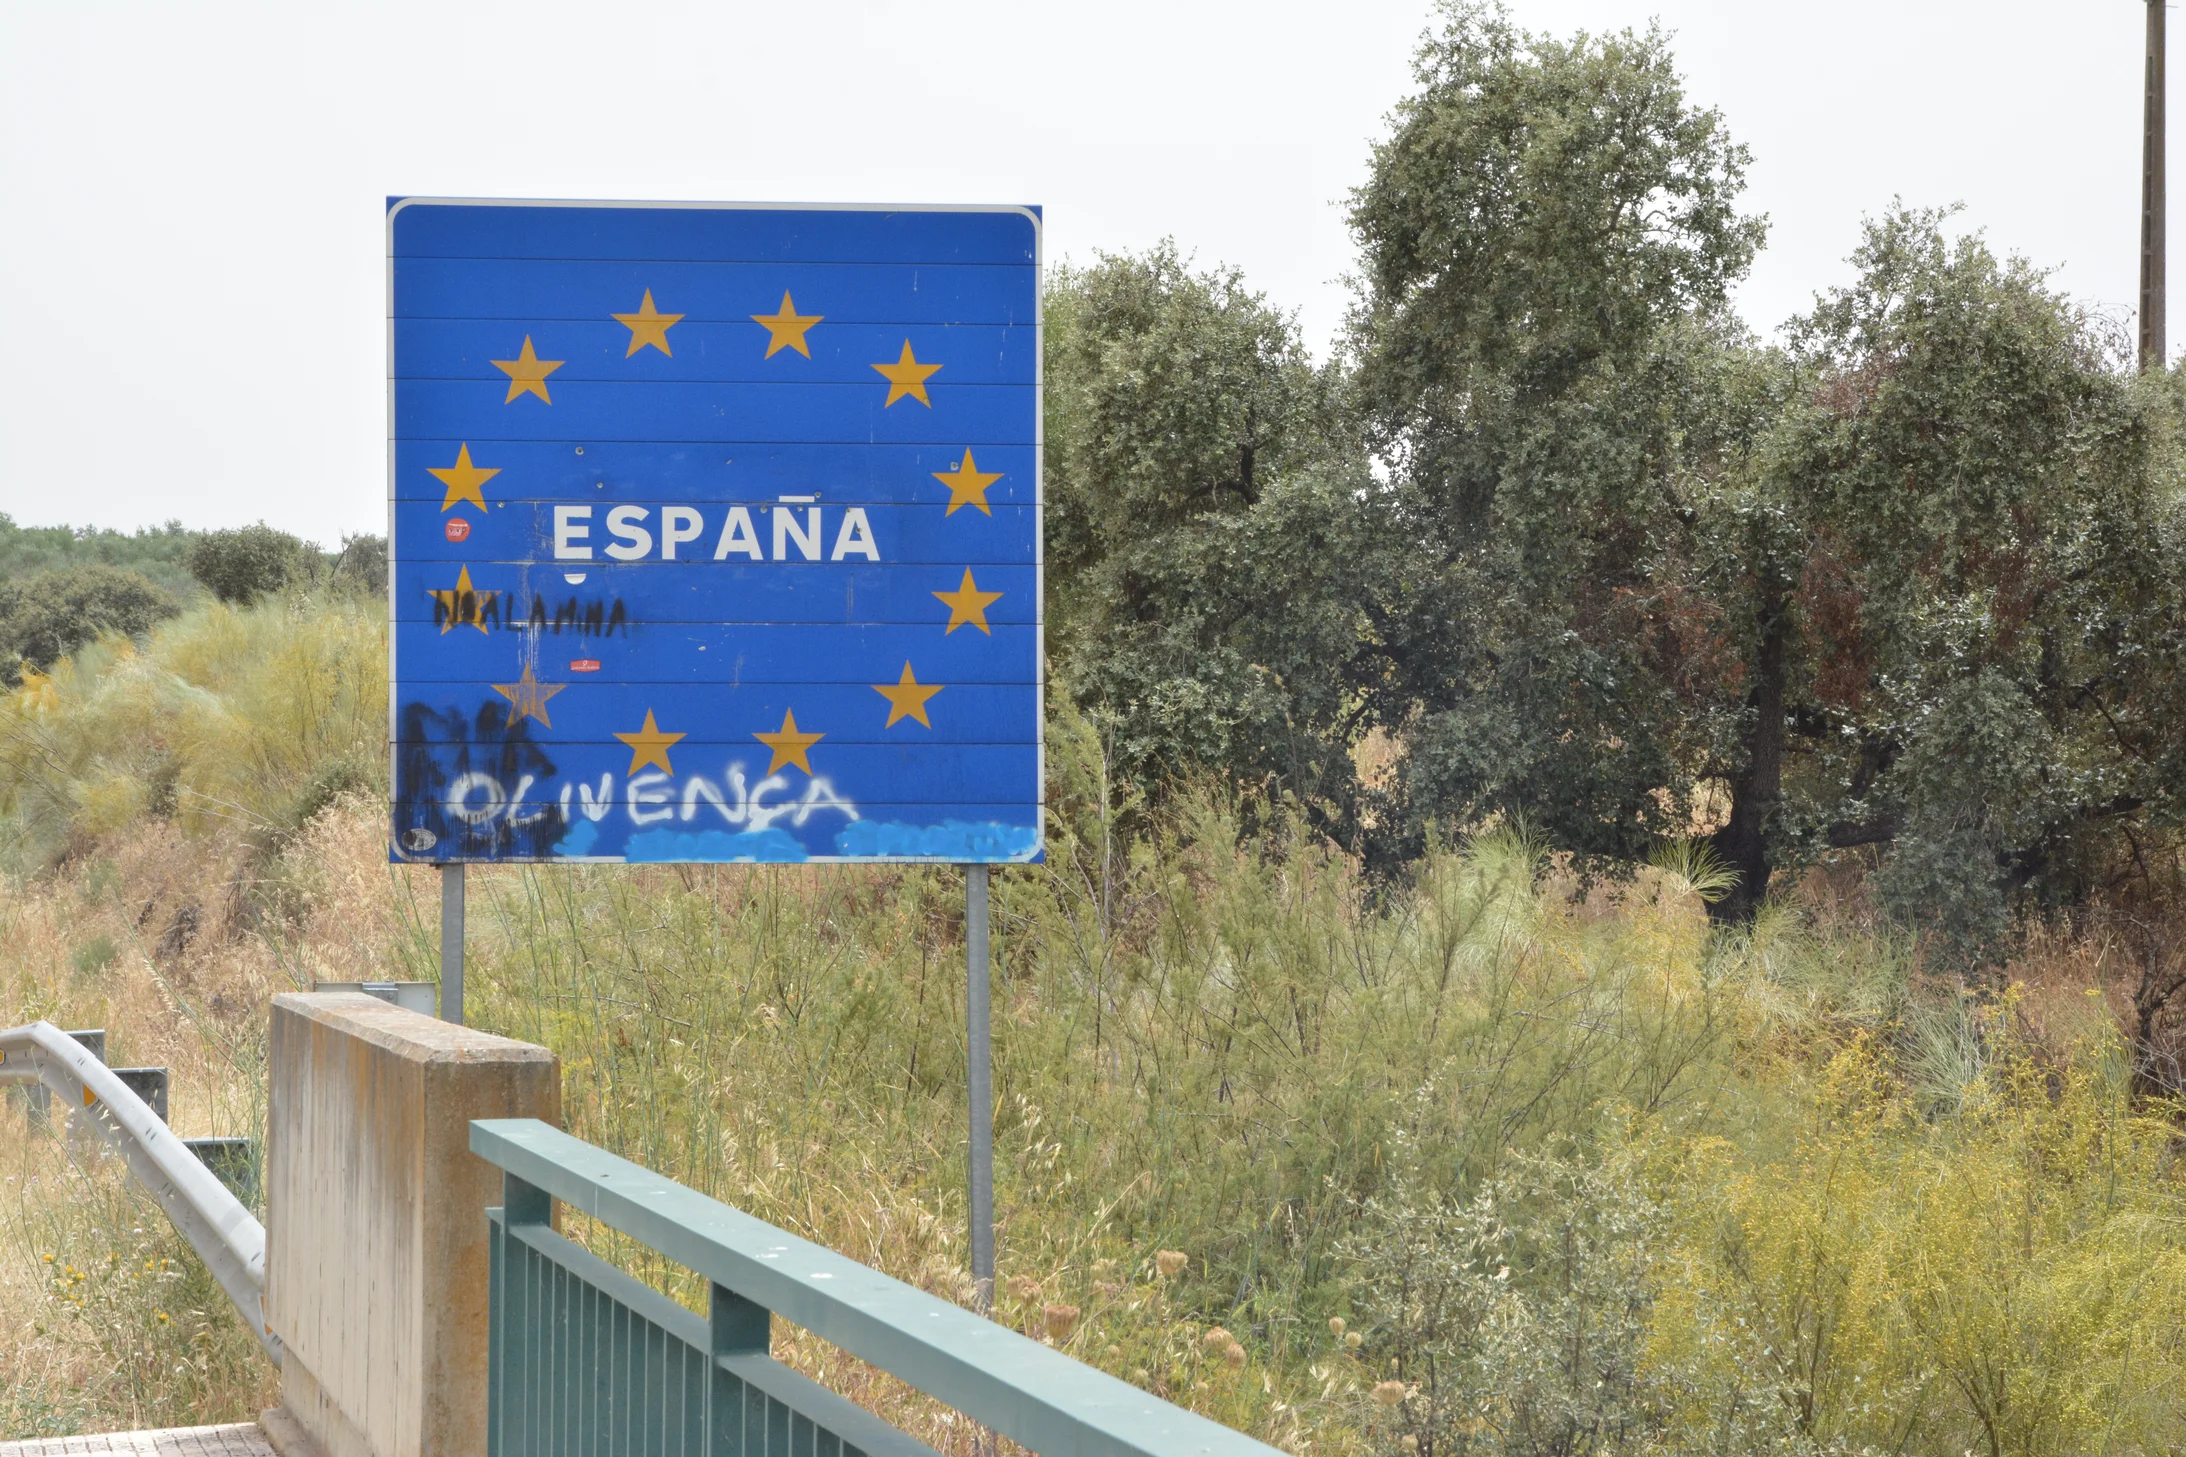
(979, 1068)
(451, 943)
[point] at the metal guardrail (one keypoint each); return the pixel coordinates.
(225, 1235)
(587, 1360)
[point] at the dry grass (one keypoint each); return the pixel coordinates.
(111, 1322)
(164, 939)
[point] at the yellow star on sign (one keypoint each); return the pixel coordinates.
(907, 377)
(786, 328)
(648, 326)
(968, 604)
(529, 696)
(463, 479)
(907, 698)
(462, 603)
(789, 745)
(967, 485)
(527, 373)
(649, 746)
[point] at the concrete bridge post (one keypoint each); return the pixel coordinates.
(377, 1248)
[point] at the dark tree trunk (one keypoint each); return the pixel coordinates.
(2157, 1069)
(1758, 787)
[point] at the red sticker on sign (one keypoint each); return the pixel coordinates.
(457, 529)
(584, 665)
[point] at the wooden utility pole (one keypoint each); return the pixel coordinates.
(2152, 347)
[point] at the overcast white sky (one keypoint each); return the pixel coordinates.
(191, 271)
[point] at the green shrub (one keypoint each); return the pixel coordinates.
(97, 954)
(1515, 1323)
(245, 564)
(51, 614)
(362, 564)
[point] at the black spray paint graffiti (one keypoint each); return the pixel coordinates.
(482, 610)
(435, 750)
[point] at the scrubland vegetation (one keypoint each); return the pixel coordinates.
(1474, 1159)
(63, 588)
(1614, 886)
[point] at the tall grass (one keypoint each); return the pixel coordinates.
(2009, 1277)
(241, 723)
(111, 1322)
(1817, 1196)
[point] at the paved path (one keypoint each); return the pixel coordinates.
(242, 1439)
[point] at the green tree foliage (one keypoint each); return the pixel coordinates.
(1547, 239)
(1908, 584)
(1952, 575)
(1201, 513)
(244, 564)
(50, 614)
(157, 552)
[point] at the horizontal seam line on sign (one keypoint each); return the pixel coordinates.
(561, 381)
(759, 684)
(398, 253)
(736, 561)
(695, 574)
(700, 262)
(879, 577)
(691, 571)
(808, 384)
(930, 501)
(868, 443)
(601, 680)
(738, 321)
(912, 489)
(928, 441)
(604, 638)
(601, 442)
(591, 442)
(1011, 265)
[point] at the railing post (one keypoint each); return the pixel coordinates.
(497, 1334)
(740, 1328)
(511, 1405)
(523, 1203)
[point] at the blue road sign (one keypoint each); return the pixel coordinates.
(715, 532)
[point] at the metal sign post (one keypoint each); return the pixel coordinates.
(451, 943)
(979, 1078)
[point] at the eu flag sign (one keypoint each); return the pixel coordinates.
(715, 532)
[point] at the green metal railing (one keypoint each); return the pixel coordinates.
(587, 1362)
